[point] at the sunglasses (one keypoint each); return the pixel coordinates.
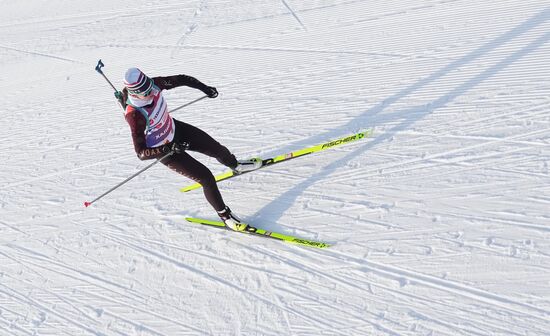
(142, 94)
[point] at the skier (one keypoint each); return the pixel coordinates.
(155, 133)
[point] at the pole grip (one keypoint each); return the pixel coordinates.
(99, 66)
(98, 69)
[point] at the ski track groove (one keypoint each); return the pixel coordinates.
(103, 15)
(11, 326)
(82, 273)
(456, 288)
(313, 271)
(14, 294)
(104, 298)
(245, 48)
(41, 54)
(67, 171)
(515, 114)
(283, 275)
(278, 302)
(217, 280)
(201, 254)
(460, 166)
(398, 167)
(518, 223)
(463, 168)
(63, 299)
(360, 286)
(341, 281)
(110, 299)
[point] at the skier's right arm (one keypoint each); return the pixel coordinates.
(136, 121)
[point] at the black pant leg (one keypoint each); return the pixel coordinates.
(188, 166)
(200, 141)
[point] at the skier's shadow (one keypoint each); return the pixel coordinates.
(274, 210)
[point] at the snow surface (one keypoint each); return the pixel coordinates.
(440, 220)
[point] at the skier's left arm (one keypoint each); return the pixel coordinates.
(170, 82)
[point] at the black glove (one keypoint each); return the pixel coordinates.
(211, 92)
(179, 147)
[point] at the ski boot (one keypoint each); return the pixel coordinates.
(231, 220)
(247, 165)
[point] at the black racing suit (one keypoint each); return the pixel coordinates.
(198, 141)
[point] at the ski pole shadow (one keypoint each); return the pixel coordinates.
(274, 210)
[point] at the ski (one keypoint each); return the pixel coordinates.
(288, 156)
(262, 233)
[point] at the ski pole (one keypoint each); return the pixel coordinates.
(187, 104)
(87, 204)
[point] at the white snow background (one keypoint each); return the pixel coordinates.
(440, 220)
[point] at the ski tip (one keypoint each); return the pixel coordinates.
(87, 204)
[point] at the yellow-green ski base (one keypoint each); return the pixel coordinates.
(288, 156)
(261, 232)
